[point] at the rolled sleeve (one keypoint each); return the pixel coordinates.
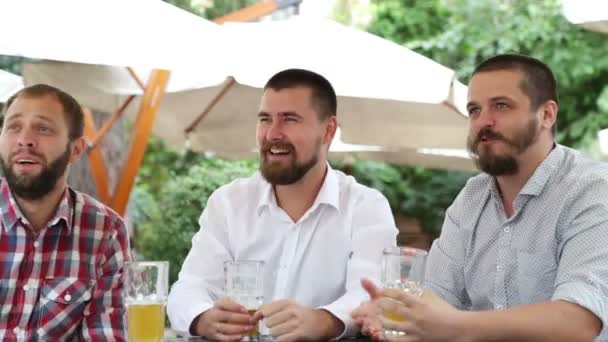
(588, 297)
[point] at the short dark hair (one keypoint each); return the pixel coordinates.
(71, 108)
(323, 95)
(538, 81)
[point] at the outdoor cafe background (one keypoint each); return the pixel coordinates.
(414, 116)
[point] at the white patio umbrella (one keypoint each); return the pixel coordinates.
(9, 84)
(590, 14)
(135, 33)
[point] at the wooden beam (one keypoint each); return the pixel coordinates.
(144, 123)
(96, 162)
(250, 13)
(230, 81)
(110, 122)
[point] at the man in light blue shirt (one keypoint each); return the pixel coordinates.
(523, 252)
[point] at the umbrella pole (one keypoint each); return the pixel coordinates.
(98, 166)
(144, 123)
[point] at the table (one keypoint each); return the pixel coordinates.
(264, 339)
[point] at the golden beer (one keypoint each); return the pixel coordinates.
(146, 322)
(394, 316)
(253, 333)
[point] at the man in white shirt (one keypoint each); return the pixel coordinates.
(317, 230)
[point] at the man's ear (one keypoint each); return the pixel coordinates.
(549, 114)
(78, 146)
(330, 132)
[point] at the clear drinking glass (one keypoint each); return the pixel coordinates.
(245, 285)
(402, 268)
(146, 285)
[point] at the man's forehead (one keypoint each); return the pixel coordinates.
(494, 84)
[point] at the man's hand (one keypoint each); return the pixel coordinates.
(290, 321)
(368, 315)
(225, 321)
(426, 319)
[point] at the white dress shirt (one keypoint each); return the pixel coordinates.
(317, 261)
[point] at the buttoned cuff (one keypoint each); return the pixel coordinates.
(588, 297)
(350, 328)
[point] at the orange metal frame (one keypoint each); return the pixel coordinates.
(153, 92)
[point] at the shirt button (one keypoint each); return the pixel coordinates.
(67, 297)
(26, 287)
(499, 307)
(36, 244)
(507, 229)
(16, 330)
(498, 268)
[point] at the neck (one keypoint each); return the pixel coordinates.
(295, 199)
(510, 185)
(39, 211)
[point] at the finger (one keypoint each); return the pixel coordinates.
(278, 318)
(400, 295)
(232, 317)
(404, 326)
(402, 338)
(284, 328)
(233, 329)
(227, 304)
(274, 307)
(366, 309)
(224, 337)
(289, 337)
(258, 315)
(371, 289)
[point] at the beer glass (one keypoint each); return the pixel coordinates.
(146, 286)
(403, 269)
(245, 285)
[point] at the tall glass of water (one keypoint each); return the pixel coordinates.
(146, 285)
(245, 285)
(402, 268)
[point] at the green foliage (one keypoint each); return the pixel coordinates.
(461, 33)
(168, 229)
(417, 192)
(11, 64)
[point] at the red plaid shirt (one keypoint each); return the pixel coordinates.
(63, 282)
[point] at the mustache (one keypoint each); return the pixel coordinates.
(267, 146)
(488, 133)
(38, 155)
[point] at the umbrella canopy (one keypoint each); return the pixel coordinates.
(590, 14)
(9, 84)
(388, 95)
(136, 33)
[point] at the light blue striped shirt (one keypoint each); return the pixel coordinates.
(553, 247)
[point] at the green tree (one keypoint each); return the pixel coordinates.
(461, 33)
(165, 232)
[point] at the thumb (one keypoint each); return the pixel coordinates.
(371, 289)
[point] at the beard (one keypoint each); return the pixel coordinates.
(277, 174)
(505, 164)
(33, 187)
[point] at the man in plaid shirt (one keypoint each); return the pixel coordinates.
(62, 252)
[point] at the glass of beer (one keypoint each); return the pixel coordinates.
(245, 285)
(403, 269)
(146, 286)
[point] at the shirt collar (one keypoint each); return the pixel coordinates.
(536, 183)
(328, 194)
(11, 214)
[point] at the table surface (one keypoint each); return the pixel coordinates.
(263, 339)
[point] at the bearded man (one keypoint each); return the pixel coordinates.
(62, 251)
(523, 249)
(317, 230)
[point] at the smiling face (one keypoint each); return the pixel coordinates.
(290, 134)
(502, 123)
(35, 148)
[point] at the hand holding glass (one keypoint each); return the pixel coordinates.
(402, 268)
(244, 285)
